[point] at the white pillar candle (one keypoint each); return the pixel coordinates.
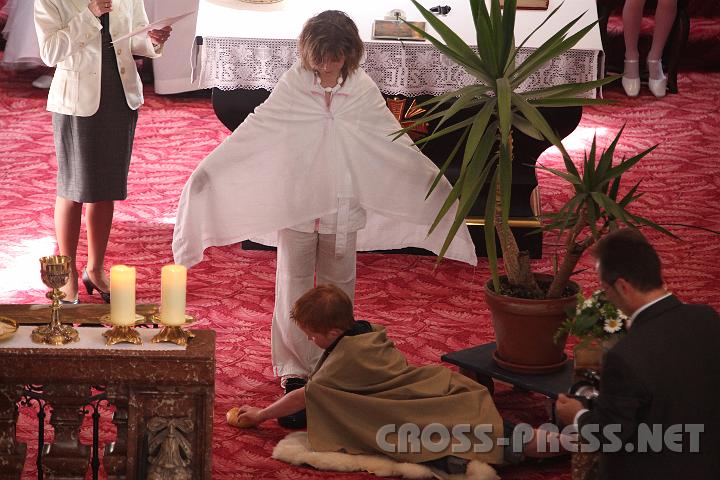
(173, 284)
(122, 295)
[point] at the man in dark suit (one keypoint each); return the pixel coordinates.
(658, 412)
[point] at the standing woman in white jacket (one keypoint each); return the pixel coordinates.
(94, 97)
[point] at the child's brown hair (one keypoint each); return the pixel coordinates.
(322, 309)
(329, 36)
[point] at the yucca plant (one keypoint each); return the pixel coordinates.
(594, 210)
(499, 110)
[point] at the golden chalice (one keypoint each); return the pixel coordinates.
(55, 271)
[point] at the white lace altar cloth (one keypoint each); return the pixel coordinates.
(399, 68)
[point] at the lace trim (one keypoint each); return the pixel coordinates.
(399, 68)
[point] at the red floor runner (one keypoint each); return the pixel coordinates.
(428, 313)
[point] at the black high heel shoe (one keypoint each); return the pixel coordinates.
(70, 302)
(90, 286)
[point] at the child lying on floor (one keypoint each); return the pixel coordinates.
(363, 392)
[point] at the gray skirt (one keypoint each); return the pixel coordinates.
(93, 153)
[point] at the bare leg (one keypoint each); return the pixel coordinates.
(99, 217)
(664, 19)
(67, 231)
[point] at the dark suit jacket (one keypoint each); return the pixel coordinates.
(665, 371)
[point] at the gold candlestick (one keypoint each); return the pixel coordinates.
(55, 271)
(173, 333)
(122, 334)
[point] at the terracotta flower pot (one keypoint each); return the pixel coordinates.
(524, 331)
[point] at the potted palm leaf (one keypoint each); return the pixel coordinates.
(524, 327)
(498, 110)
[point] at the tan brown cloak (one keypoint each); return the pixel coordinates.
(365, 384)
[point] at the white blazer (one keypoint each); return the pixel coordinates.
(70, 38)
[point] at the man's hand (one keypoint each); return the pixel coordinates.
(100, 7)
(159, 37)
(566, 408)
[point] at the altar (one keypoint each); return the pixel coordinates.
(162, 396)
(242, 49)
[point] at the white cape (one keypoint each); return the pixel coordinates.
(294, 157)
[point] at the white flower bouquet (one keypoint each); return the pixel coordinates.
(594, 318)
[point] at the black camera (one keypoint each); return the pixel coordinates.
(441, 10)
(586, 389)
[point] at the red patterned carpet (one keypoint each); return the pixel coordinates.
(428, 313)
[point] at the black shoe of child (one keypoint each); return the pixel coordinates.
(297, 419)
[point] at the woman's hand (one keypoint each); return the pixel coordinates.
(100, 7)
(159, 37)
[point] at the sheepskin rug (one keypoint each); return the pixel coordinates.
(295, 449)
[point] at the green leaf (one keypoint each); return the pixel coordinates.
(653, 225)
(574, 179)
(421, 120)
(449, 202)
(446, 130)
(611, 207)
(462, 103)
(569, 102)
(526, 127)
(629, 197)
(536, 60)
(592, 215)
(568, 215)
(614, 188)
(627, 164)
(538, 121)
(477, 132)
(508, 30)
(473, 68)
(474, 180)
(549, 49)
(547, 18)
(453, 41)
(606, 158)
(448, 161)
(589, 171)
(481, 152)
(466, 202)
(569, 89)
(497, 33)
(474, 10)
(485, 39)
(504, 110)
(475, 90)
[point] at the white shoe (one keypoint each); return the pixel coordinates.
(43, 82)
(658, 86)
(631, 85)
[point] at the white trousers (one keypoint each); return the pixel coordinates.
(303, 261)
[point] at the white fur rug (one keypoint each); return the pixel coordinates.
(295, 449)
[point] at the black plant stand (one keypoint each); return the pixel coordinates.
(477, 363)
